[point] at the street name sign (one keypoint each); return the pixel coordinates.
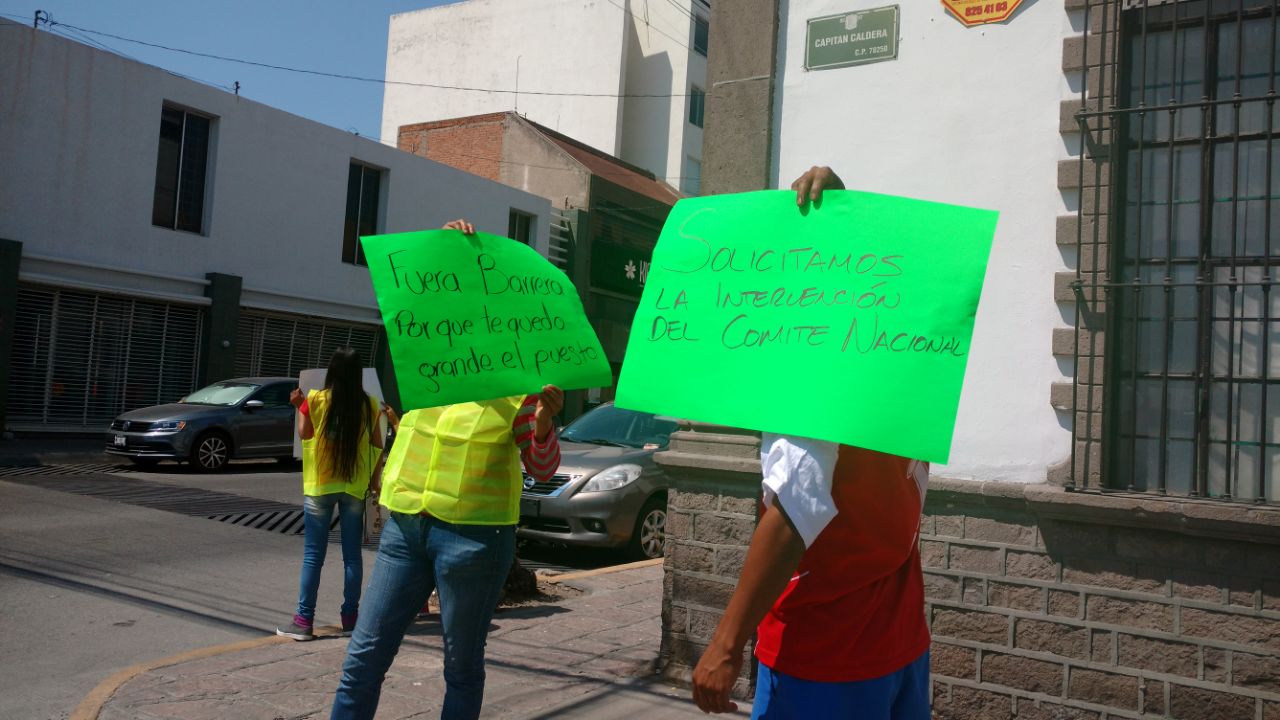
(852, 38)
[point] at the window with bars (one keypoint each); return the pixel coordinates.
(1193, 366)
(364, 203)
(182, 163)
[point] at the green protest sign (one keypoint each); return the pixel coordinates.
(476, 317)
(849, 321)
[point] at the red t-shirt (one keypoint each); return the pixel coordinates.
(855, 608)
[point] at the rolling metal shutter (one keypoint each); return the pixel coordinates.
(277, 344)
(81, 358)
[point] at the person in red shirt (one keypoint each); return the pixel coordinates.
(832, 583)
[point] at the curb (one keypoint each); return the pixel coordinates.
(583, 574)
(91, 706)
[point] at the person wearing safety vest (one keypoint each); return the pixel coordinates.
(832, 586)
(452, 484)
(341, 440)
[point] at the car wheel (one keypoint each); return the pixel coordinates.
(211, 452)
(650, 537)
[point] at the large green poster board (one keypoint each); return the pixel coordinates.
(476, 317)
(847, 321)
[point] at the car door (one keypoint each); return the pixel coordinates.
(268, 430)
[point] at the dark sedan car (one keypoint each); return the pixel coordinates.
(240, 418)
(608, 492)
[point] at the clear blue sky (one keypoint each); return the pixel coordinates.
(331, 35)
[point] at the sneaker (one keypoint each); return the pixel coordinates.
(348, 624)
(297, 630)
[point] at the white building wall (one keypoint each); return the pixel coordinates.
(966, 116)
(560, 46)
(656, 132)
(79, 131)
(611, 47)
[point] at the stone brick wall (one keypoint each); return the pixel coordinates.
(1083, 236)
(711, 515)
(1040, 610)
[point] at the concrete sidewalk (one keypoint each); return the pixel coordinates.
(588, 656)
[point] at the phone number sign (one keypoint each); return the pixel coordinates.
(981, 12)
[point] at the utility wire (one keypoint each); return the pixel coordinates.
(80, 37)
(357, 78)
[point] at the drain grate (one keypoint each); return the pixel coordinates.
(195, 502)
(76, 469)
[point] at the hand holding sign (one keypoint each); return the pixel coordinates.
(849, 319)
(471, 316)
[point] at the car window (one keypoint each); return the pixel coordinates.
(274, 395)
(611, 425)
(223, 393)
(653, 431)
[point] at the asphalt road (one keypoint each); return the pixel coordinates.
(90, 585)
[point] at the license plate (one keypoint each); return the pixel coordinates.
(120, 441)
(530, 507)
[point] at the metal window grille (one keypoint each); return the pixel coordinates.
(281, 345)
(560, 248)
(1178, 250)
(80, 358)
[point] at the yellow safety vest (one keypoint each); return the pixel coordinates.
(317, 477)
(459, 463)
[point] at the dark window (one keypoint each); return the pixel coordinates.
(1193, 394)
(275, 395)
(697, 105)
(700, 32)
(520, 226)
(364, 184)
(181, 165)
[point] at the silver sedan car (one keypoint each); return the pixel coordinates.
(609, 492)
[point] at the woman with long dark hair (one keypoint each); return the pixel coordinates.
(341, 441)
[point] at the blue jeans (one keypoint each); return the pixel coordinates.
(900, 695)
(317, 517)
(467, 565)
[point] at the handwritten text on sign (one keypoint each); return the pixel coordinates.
(849, 321)
(475, 317)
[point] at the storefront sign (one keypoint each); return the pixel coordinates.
(619, 268)
(981, 12)
(854, 38)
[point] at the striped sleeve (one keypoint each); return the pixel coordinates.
(541, 459)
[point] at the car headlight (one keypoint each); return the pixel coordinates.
(613, 478)
(169, 426)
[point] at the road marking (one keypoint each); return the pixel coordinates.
(91, 706)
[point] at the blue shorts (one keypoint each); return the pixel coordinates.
(901, 695)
